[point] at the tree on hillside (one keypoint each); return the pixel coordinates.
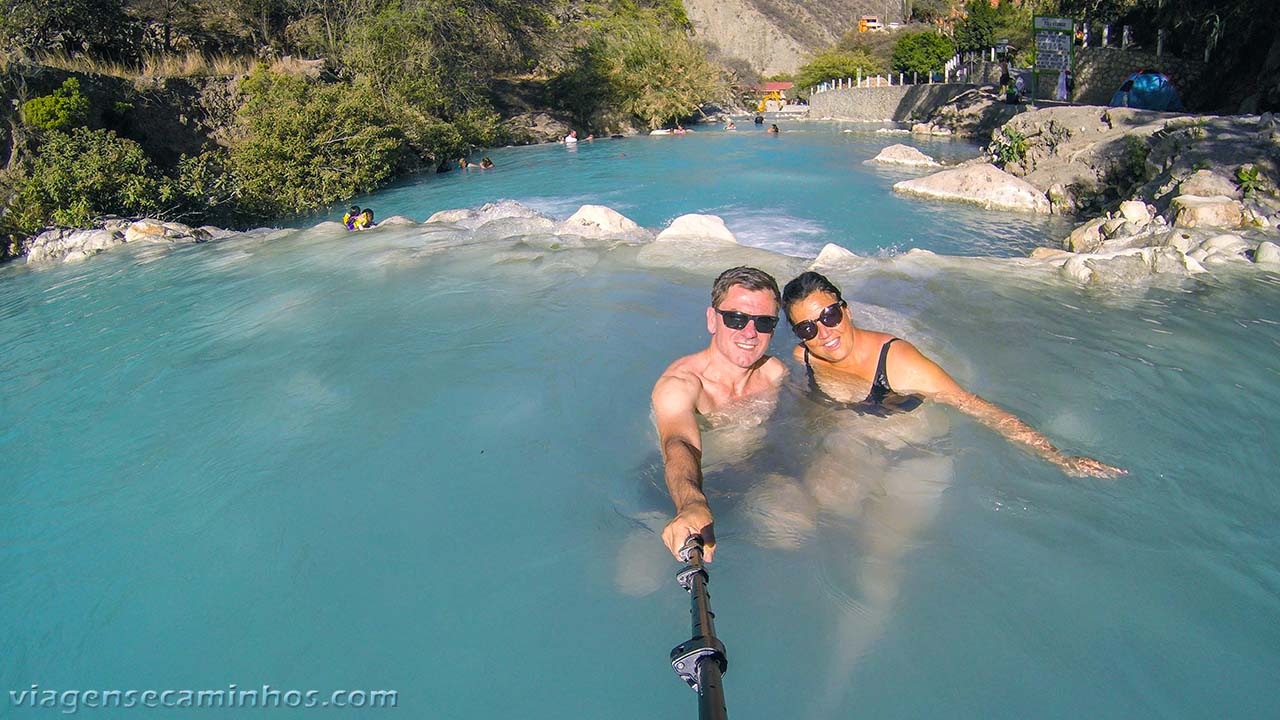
(929, 10)
(660, 75)
(834, 64)
(98, 28)
(641, 62)
(84, 174)
(166, 18)
(302, 144)
(922, 52)
(983, 25)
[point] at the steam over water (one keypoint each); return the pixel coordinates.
(421, 458)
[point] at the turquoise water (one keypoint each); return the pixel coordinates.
(792, 192)
(421, 459)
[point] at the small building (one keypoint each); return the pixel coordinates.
(770, 96)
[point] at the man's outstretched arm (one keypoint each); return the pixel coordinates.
(675, 410)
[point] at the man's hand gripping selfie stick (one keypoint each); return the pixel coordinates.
(700, 661)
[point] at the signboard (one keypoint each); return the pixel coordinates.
(1066, 25)
(1054, 46)
(1053, 51)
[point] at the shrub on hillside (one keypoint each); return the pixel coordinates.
(303, 144)
(834, 64)
(983, 25)
(79, 176)
(66, 108)
(96, 28)
(642, 63)
(922, 52)
(660, 74)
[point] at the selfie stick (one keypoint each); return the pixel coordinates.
(700, 661)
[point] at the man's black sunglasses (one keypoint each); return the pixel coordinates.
(830, 316)
(735, 320)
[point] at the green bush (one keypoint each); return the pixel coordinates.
(1010, 146)
(206, 189)
(834, 64)
(303, 144)
(640, 63)
(983, 25)
(66, 108)
(79, 176)
(922, 52)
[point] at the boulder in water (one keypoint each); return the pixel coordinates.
(980, 183)
(151, 230)
(599, 221)
(61, 245)
(833, 255)
(1086, 238)
(1268, 253)
(1227, 245)
(474, 218)
(397, 220)
(702, 228)
(903, 155)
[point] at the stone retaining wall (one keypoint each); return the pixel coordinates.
(898, 103)
(1100, 71)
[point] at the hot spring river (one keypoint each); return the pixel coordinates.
(421, 459)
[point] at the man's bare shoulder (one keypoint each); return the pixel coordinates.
(680, 382)
(774, 370)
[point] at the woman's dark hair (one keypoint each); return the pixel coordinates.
(804, 285)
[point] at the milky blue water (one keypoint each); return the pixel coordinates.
(792, 192)
(421, 458)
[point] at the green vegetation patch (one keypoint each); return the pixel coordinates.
(80, 176)
(303, 144)
(922, 52)
(66, 108)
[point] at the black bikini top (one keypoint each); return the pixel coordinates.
(881, 400)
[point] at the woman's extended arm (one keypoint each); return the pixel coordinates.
(913, 372)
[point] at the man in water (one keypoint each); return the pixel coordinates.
(741, 319)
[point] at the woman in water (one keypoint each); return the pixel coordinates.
(843, 360)
(877, 475)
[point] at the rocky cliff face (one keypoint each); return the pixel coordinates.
(777, 36)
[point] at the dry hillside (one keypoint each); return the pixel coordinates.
(776, 36)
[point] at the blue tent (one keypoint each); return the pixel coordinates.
(1149, 91)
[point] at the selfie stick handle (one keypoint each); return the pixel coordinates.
(701, 660)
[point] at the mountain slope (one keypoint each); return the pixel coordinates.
(777, 36)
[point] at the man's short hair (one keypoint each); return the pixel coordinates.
(804, 285)
(747, 277)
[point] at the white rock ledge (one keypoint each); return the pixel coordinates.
(983, 184)
(903, 155)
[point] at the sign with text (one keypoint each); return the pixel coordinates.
(1053, 43)
(1041, 22)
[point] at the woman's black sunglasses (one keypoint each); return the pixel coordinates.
(830, 316)
(735, 320)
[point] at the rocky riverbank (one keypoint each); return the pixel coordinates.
(1159, 193)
